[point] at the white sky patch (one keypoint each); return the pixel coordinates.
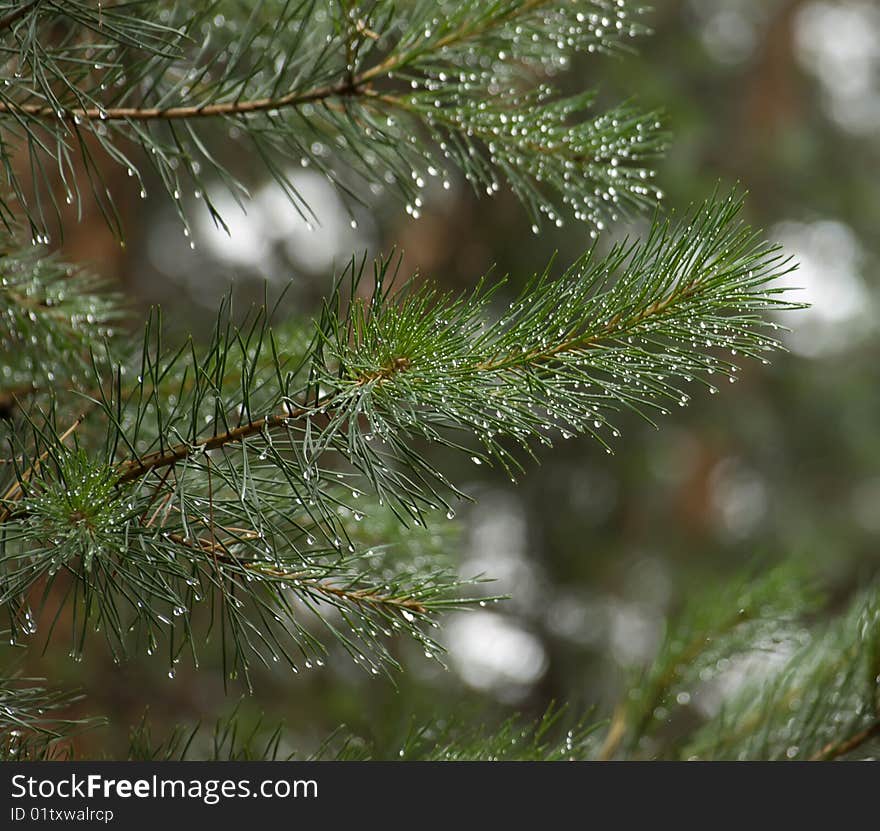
(839, 43)
(490, 652)
(497, 547)
(245, 244)
(271, 220)
(828, 278)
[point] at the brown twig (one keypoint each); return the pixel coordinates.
(135, 468)
(834, 750)
(616, 733)
(368, 597)
(346, 88)
(350, 86)
(582, 343)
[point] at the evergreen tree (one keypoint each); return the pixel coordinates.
(237, 497)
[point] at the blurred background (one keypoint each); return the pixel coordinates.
(595, 552)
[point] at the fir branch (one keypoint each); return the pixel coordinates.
(715, 625)
(18, 488)
(614, 333)
(606, 336)
(230, 739)
(66, 310)
(32, 724)
(820, 703)
(836, 749)
(351, 87)
(118, 82)
(289, 444)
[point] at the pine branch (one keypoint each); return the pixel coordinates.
(352, 87)
(836, 749)
(614, 333)
(212, 501)
(135, 552)
(820, 703)
(290, 438)
(665, 294)
(318, 84)
(229, 740)
(65, 311)
(554, 736)
(17, 488)
(715, 626)
(545, 739)
(32, 726)
(133, 469)
(816, 699)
